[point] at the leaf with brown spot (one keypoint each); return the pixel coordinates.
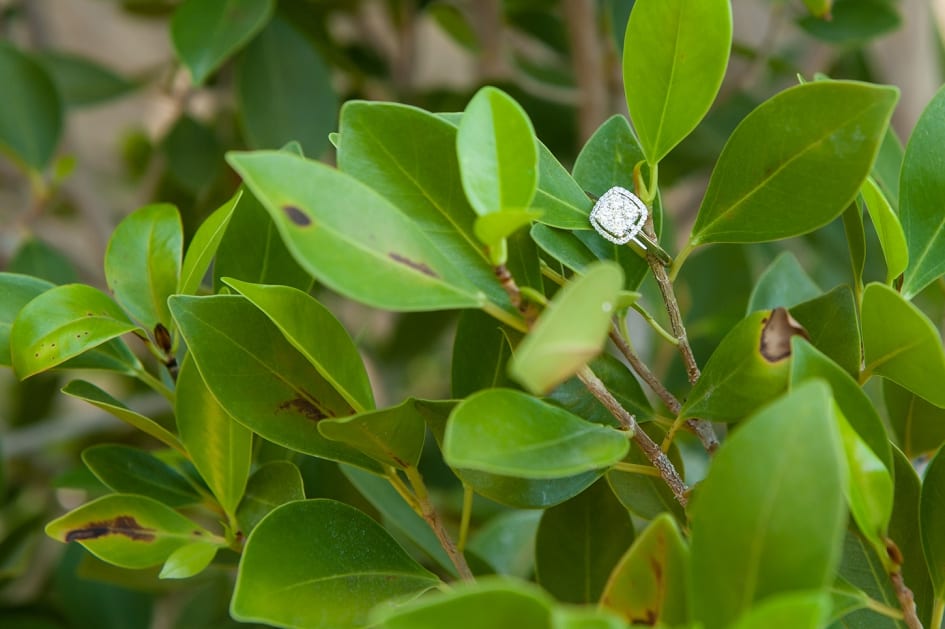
(416, 266)
(128, 530)
(776, 335)
(297, 216)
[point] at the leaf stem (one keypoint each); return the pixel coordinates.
(504, 316)
(657, 457)
(467, 515)
(653, 323)
(938, 613)
(145, 377)
(636, 468)
(432, 517)
(680, 259)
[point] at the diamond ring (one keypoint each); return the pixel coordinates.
(619, 216)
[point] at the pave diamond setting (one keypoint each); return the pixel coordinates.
(619, 216)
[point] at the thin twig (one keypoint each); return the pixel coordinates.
(903, 593)
(644, 372)
(656, 457)
(587, 59)
(429, 513)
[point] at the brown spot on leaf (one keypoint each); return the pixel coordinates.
(416, 266)
(119, 525)
(304, 407)
(297, 216)
(776, 335)
(162, 337)
(399, 461)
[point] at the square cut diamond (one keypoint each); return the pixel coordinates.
(619, 216)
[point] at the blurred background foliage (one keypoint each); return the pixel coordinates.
(103, 108)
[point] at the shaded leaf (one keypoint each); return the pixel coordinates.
(891, 238)
(931, 506)
(188, 561)
(783, 283)
(203, 246)
(31, 123)
(832, 326)
(392, 436)
(919, 425)
(134, 471)
(271, 485)
(81, 81)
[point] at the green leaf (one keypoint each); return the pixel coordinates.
(931, 514)
(809, 363)
(188, 561)
(15, 292)
(888, 166)
(561, 201)
(308, 202)
(506, 542)
(62, 323)
(220, 447)
(134, 471)
(498, 153)
(253, 251)
(493, 228)
(392, 436)
(497, 603)
(922, 188)
(579, 542)
(748, 368)
(855, 234)
(272, 484)
(317, 335)
(143, 260)
(643, 495)
(203, 246)
(861, 567)
(783, 283)
(853, 21)
(891, 238)
(193, 154)
(585, 618)
(832, 326)
(674, 57)
(510, 433)
(797, 610)
(919, 426)
(901, 344)
(258, 377)
(754, 532)
(290, 577)
(819, 8)
(42, 261)
(100, 399)
(481, 350)
(126, 530)
(205, 33)
(828, 135)
(284, 91)
(31, 123)
(620, 381)
(649, 583)
(570, 332)
(81, 81)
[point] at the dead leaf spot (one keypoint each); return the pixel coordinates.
(304, 407)
(416, 266)
(162, 337)
(119, 525)
(776, 335)
(297, 216)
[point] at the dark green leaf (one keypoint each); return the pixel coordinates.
(194, 155)
(42, 261)
(643, 495)
(134, 471)
(272, 484)
(31, 123)
(853, 21)
(919, 426)
(783, 283)
(481, 350)
(855, 234)
(15, 292)
(562, 202)
(800, 610)
(574, 396)
(203, 246)
(931, 516)
(832, 327)
(392, 436)
(507, 543)
(861, 567)
(82, 82)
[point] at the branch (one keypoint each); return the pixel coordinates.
(587, 59)
(429, 513)
(903, 593)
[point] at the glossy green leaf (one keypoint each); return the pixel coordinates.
(579, 542)
(62, 323)
(649, 584)
(81, 81)
(205, 33)
(253, 251)
(800, 610)
(492, 228)
(16, 291)
(481, 351)
(203, 246)
(922, 188)
(620, 381)
(853, 21)
(258, 377)
(901, 344)
(392, 436)
(562, 245)
(219, 446)
(143, 261)
(559, 198)
(748, 368)
(783, 283)
(290, 577)
(497, 603)
(31, 123)
(755, 531)
(188, 561)
(855, 233)
(193, 154)
(126, 530)
(131, 470)
(585, 618)
(506, 543)
(888, 166)
(891, 238)
(832, 326)
(643, 495)
(931, 516)
(498, 153)
(271, 485)
(919, 425)
(284, 90)
(308, 202)
(863, 570)
(809, 363)
(829, 133)
(847, 599)
(317, 335)
(97, 397)
(570, 332)
(506, 432)
(674, 57)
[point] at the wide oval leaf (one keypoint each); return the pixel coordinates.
(321, 563)
(271, 485)
(392, 436)
(901, 344)
(832, 326)
(143, 260)
(31, 123)
(62, 323)
(828, 135)
(16, 291)
(919, 425)
(126, 530)
(674, 57)
(207, 32)
(570, 332)
(921, 205)
(510, 433)
(770, 515)
(310, 204)
(131, 470)
(783, 283)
